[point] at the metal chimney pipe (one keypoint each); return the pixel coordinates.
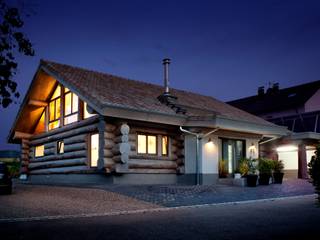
(166, 63)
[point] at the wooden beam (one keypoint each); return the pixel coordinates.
(37, 103)
(21, 135)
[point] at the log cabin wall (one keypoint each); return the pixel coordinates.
(121, 156)
(75, 156)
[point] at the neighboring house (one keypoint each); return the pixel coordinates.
(9, 156)
(80, 125)
(297, 108)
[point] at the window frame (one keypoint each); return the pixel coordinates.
(147, 135)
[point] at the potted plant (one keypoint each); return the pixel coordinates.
(252, 176)
(265, 167)
(244, 167)
(278, 167)
(223, 172)
(237, 173)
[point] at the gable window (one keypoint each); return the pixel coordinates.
(165, 145)
(39, 151)
(54, 109)
(147, 144)
(71, 107)
(60, 147)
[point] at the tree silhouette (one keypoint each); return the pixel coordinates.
(12, 42)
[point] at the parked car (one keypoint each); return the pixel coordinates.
(5, 180)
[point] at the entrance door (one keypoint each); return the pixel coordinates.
(232, 152)
(94, 150)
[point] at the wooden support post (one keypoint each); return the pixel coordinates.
(302, 162)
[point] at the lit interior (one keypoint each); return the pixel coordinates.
(164, 145)
(57, 92)
(94, 150)
(60, 147)
(142, 143)
(152, 144)
(39, 151)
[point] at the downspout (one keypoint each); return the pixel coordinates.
(198, 136)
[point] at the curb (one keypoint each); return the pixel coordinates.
(142, 211)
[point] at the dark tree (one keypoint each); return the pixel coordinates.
(314, 171)
(12, 42)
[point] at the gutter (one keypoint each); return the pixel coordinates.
(198, 136)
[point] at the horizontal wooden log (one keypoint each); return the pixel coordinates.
(75, 147)
(152, 164)
(70, 133)
(124, 158)
(108, 144)
(108, 135)
(108, 162)
(107, 153)
(75, 154)
(21, 135)
(50, 151)
(25, 145)
(59, 163)
(63, 170)
(75, 139)
(180, 161)
(110, 127)
(121, 168)
(86, 122)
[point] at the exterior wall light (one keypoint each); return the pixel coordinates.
(252, 150)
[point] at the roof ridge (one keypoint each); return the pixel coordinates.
(125, 78)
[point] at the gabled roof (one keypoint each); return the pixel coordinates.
(114, 96)
(108, 90)
(282, 99)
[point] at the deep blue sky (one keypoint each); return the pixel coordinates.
(225, 49)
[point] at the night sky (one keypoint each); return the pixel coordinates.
(225, 49)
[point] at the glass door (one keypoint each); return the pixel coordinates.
(232, 152)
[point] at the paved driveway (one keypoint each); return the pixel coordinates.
(39, 201)
(180, 195)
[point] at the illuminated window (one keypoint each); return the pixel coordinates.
(71, 107)
(94, 153)
(60, 147)
(39, 151)
(164, 145)
(147, 144)
(54, 109)
(86, 114)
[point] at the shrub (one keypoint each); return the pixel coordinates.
(278, 166)
(314, 171)
(244, 166)
(13, 168)
(252, 166)
(265, 166)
